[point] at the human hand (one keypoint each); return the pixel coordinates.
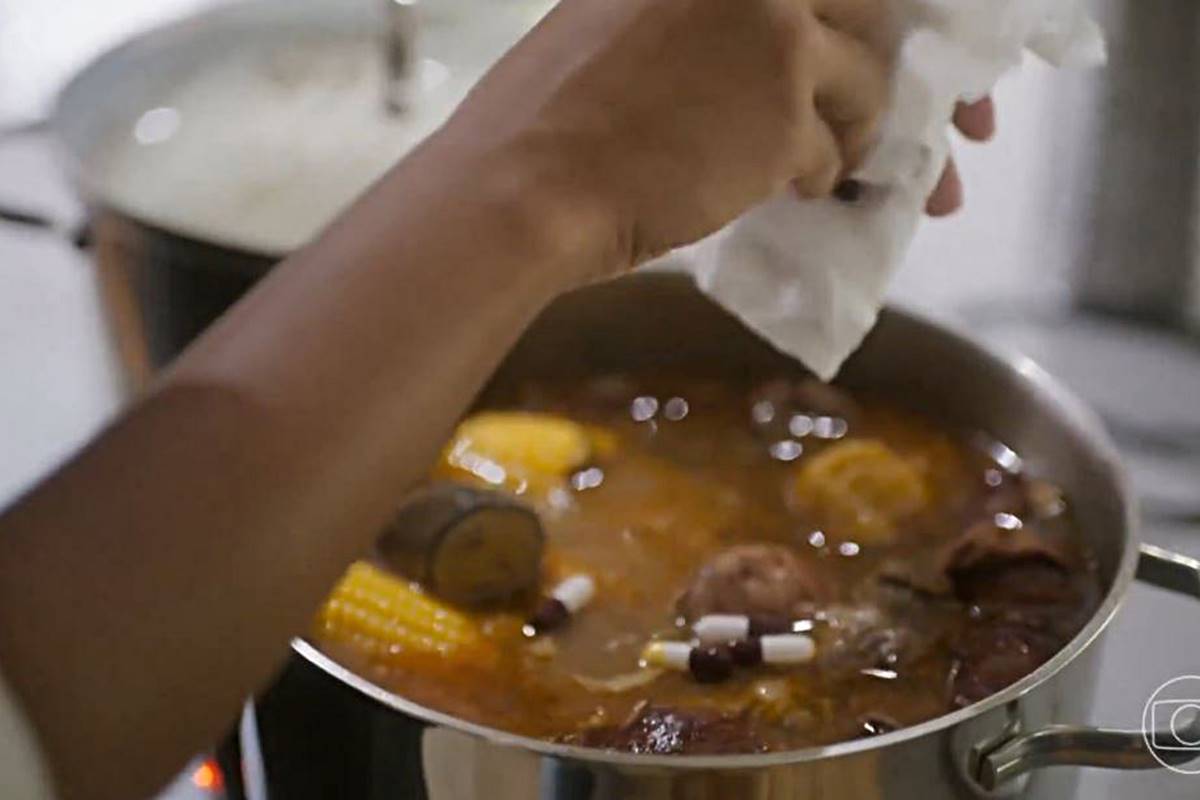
(651, 123)
(976, 121)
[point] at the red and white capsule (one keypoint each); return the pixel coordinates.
(564, 601)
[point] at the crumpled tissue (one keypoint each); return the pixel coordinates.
(810, 275)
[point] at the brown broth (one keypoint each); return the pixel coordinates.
(679, 488)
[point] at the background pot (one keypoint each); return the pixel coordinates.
(328, 732)
(168, 263)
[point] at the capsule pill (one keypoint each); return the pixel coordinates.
(705, 664)
(564, 601)
(787, 648)
(724, 628)
(550, 614)
(575, 592)
(710, 664)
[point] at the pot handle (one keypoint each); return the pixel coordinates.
(1071, 745)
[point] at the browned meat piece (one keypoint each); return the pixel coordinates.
(752, 579)
(1026, 604)
(671, 731)
(1028, 583)
(922, 576)
(986, 544)
(973, 560)
(996, 655)
(1023, 589)
(1016, 572)
(976, 566)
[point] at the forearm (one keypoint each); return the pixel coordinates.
(151, 584)
(155, 581)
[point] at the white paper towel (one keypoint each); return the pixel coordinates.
(810, 276)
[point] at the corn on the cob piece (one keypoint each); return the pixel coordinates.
(860, 488)
(394, 622)
(517, 449)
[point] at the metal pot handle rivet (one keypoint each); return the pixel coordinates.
(1071, 745)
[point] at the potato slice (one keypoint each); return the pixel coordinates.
(859, 489)
(516, 449)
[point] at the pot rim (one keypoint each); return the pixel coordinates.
(256, 15)
(78, 164)
(1070, 410)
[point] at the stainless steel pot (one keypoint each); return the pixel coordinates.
(166, 275)
(328, 732)
(162, 283)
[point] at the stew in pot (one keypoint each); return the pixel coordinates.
(732, 570)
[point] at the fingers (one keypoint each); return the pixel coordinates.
(851, 91)
(977, 120)
(947, 196)
(869, 21)
(846, 64)
(821, 163)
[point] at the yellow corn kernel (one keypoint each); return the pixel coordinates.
(859, 489)
(394, 622)
(517, 449)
